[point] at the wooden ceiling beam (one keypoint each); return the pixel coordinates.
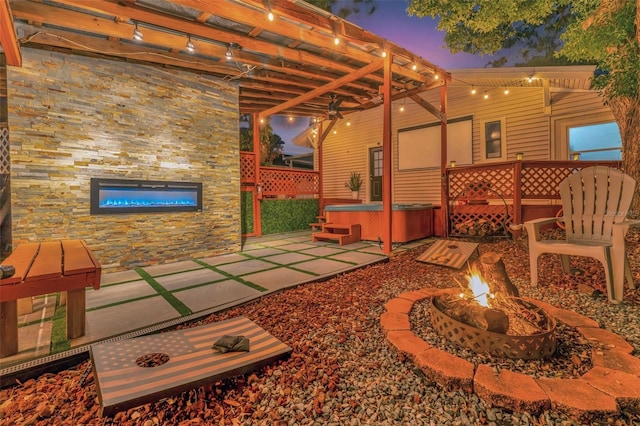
(368, 69)
(8, 37)
(254, 17)
(77, 21)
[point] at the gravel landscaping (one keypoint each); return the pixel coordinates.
(342, 371)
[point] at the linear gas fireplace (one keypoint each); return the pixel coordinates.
(115, 196)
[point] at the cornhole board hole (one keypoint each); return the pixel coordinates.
(453, 254)
(190, 362)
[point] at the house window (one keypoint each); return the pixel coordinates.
(493, 140)
(596, 141)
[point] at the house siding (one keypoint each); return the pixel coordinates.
(528, 130)
(72, 118)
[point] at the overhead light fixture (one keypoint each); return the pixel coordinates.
(190, 47)
(137, 34)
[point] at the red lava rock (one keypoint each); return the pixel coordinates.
(511, 390)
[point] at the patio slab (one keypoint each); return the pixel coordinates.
(118, 293)
(297, 246)
(324, 251)
(119, 277)
(170, 268)
(214, 295)
(188, 279)
(226, 258)
(357, 257)
(322, 266)
(279, 278)
(115, 320)
(289, 258)
(263, 252)
(245, 267)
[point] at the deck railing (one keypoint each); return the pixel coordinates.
(486, 198)
(274, 182)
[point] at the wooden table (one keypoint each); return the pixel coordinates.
(43, 268)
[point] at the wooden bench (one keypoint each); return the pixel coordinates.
(122, 383)
(43, 268)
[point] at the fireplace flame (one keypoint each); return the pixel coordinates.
(479, 288)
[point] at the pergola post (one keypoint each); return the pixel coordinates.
(257, 223)
(387, 200)
(444, 195)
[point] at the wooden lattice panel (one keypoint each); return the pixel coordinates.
(289, 182)
(480, 220)
(542, 182)
(500, 180)
(247, 168)
(5, 165)
(503, 345)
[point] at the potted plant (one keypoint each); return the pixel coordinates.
(354, 184)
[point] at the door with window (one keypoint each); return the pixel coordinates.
(375, 173)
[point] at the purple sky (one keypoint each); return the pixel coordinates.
(391, 21)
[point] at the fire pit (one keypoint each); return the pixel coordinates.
(492, 318)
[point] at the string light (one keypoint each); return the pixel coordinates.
(137, 34)
(437, 76)
(336, 40)
(414, 66)
(190, 47)
(384, 53)
(486, 95)
(348, 123)
(530, 79)
(335, 132)
(473, 90)
(270, 16)
(506, 90)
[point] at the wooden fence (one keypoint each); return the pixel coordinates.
(483, 200)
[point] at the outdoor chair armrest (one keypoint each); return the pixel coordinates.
(620, 230)
(533, 226)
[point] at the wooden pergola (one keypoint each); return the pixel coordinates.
(287, 56)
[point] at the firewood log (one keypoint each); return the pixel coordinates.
(495, 274)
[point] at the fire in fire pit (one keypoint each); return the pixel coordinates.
(488, 316)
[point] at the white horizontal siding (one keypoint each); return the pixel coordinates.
(527, 131)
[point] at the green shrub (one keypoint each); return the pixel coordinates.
(291, 214)
(246, 212)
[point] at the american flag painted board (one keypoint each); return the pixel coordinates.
(122, 384)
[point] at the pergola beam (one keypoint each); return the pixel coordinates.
(8, 38)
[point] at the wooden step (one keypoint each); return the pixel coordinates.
(351, 236)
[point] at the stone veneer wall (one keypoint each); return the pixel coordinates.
(72, 118)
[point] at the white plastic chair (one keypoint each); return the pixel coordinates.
(595, 202)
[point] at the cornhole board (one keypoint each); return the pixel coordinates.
(453, 254)
(122, 384)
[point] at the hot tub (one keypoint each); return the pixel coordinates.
(409, 221)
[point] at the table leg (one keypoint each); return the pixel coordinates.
(8, 328)
(76, 305)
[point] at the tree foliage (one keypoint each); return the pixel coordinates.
(271, 144)
(343, 9)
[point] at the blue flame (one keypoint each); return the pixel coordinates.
(122, 198)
